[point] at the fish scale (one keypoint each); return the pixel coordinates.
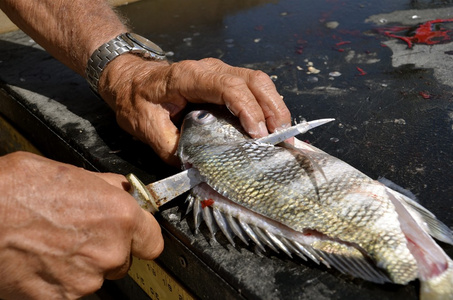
(303, 201)
(299, 209)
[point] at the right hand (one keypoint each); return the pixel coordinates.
(63, 230)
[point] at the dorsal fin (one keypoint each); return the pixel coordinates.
(424, 218)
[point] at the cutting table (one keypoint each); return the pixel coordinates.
(48, 109)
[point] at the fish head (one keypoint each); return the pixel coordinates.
(213, 126)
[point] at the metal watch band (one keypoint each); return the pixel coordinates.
(109, 51)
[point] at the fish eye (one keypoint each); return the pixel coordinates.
(203, 115)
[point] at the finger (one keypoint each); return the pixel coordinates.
(116, 180)
(162, 134)
(147, 240)
(243, 104)
(263, 89)
(204, 81)
(274, 108)
(120, 271)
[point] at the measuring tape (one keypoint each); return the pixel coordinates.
(156, 282)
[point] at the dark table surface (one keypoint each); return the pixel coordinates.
(393, 107)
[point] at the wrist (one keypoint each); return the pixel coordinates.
(122, 44)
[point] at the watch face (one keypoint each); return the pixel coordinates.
(145, 43)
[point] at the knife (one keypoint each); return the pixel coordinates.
(150, 197)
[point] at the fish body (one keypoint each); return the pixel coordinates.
(302, 201)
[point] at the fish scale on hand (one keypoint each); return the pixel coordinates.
(302, 201)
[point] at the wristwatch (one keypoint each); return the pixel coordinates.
(124, 43)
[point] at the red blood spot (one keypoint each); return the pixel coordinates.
(338, 49)
(362, 72)
(342, 43)
(425, 95)
(206, 203)
(259, 28)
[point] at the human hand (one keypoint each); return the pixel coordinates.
(146, 95)
(64, 229)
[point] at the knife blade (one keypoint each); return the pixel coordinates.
(150, 197)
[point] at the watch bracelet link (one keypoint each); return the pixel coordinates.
(123, 43)
(101, 57)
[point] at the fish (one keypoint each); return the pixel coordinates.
(299, 200)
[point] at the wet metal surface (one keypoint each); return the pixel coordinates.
(393, 108)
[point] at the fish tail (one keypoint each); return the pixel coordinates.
(439, 287)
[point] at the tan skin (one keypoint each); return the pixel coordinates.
(63, 230)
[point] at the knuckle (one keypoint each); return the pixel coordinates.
(260, 76)
(124, 214)
(184, 65)
(212, 61)
(20, 157)
(284, 113)
(79, 289)
(233, 82)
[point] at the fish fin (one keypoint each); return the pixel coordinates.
(223, 225)
(309, 252)
(439, 287)
(292, 248)
(209, 220)
(390, 184)
(306, 160)
(189, 200)
(349, 260)
(236, 229)
(346, 258)
(426, 219)
(307, 147)
(436, 228)
(197, 216)
(278, 242)
(248, 230)
(264, 238)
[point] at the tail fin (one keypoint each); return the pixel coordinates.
(439, 287)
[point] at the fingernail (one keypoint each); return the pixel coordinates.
(262, 129)
(259, 131)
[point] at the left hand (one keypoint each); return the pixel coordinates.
(147, 95)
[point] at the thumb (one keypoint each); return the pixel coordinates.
(163, 136)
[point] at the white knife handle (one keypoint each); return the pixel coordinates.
(139, 191)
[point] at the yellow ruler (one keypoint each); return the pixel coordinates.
(156, 282)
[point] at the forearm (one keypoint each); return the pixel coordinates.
(70, 30)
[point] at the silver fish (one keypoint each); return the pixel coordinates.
(304, 202)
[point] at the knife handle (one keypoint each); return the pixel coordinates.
(139, 191)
